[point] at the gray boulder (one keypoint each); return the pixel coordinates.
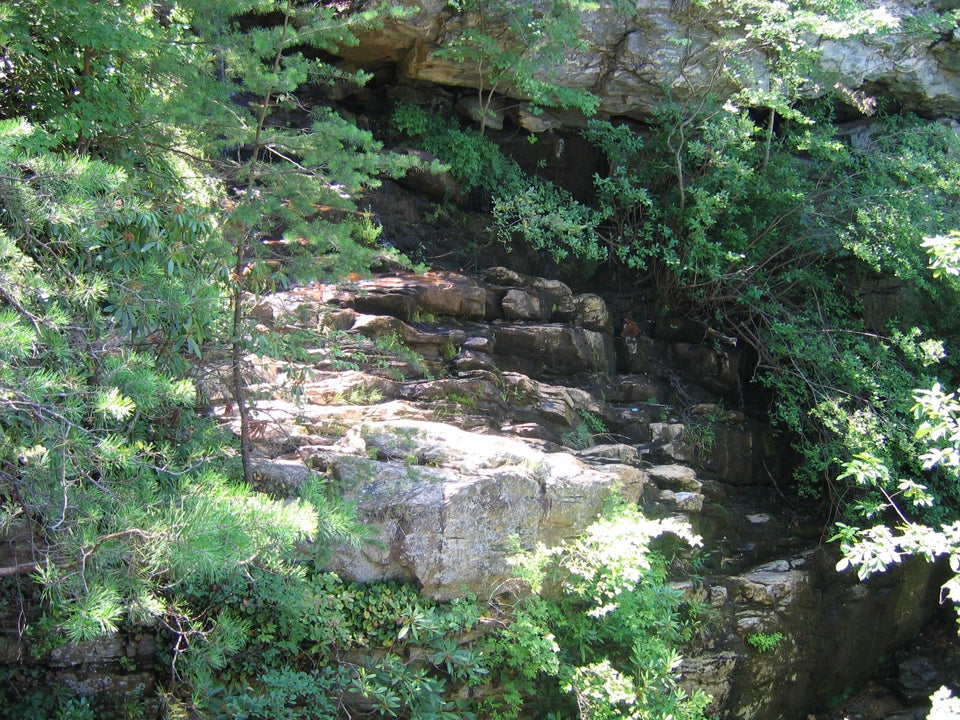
(448, 507)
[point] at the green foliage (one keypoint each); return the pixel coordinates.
(54, 702)
(96, 78)
(540, 213)
(594, 422)
(699, 437)
(123, 259)
(102, 455)
(944, 705)
(878, 547)
(944, 251)
(308, 644)
(583, 434)
(290, 646)
(359, 396)
(937, 422)
(548, 219)
(748, 212)
(119, 261)
(513, 49)
(475, 161)
(764, 642)
(578, 438)
(134, 253)
(601, 636)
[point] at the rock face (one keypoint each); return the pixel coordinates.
(448, 505)
(524, 412)
(822, 629)
(463, 425)
(635, 59)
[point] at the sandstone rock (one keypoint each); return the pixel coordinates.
(491, 116)
(674, 477)
(612, 453)
(917, 73)
(716, 369)
(642, 389)
(262, 311)
(670, 436)
(436, 346)
(335, 319)
(480, 389)
(818, 616)
(470, 360)
(712, 674)
(680, 502)
(440, 186)
(917, 675)
(339, 388)
(557, 296)
(731, 452)
(553, 350)
(734, 455)
(592, 313)
(444, 504)
(632, 65)
(398, 305)
(773, 584)
(629, 480)
(532, 298)
(476, 353)
(535, 122)
(281, 476)
(479, 343)
(504, 277)
(115, 665)
(446, 293)
(108, 681)
(520, 305)
(436, 293)
(105, 649)
(639, 356)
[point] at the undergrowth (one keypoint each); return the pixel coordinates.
(595, 634)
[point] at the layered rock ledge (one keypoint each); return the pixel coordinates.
(494, 435)
(636, 57)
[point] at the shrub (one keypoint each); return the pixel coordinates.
(600, 635)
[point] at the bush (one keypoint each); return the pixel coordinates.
(475, 160)
(310, 644)
(599, 637)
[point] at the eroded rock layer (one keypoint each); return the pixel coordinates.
(637, 55)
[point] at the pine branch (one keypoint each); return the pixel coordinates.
(15, 304)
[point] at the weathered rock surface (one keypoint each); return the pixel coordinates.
(460, 432)
(635, 59)
(832, 632)
(435, 472)
(447, 505)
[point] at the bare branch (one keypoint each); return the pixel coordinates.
(19, 569)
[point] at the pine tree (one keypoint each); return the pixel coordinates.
(143, 166)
